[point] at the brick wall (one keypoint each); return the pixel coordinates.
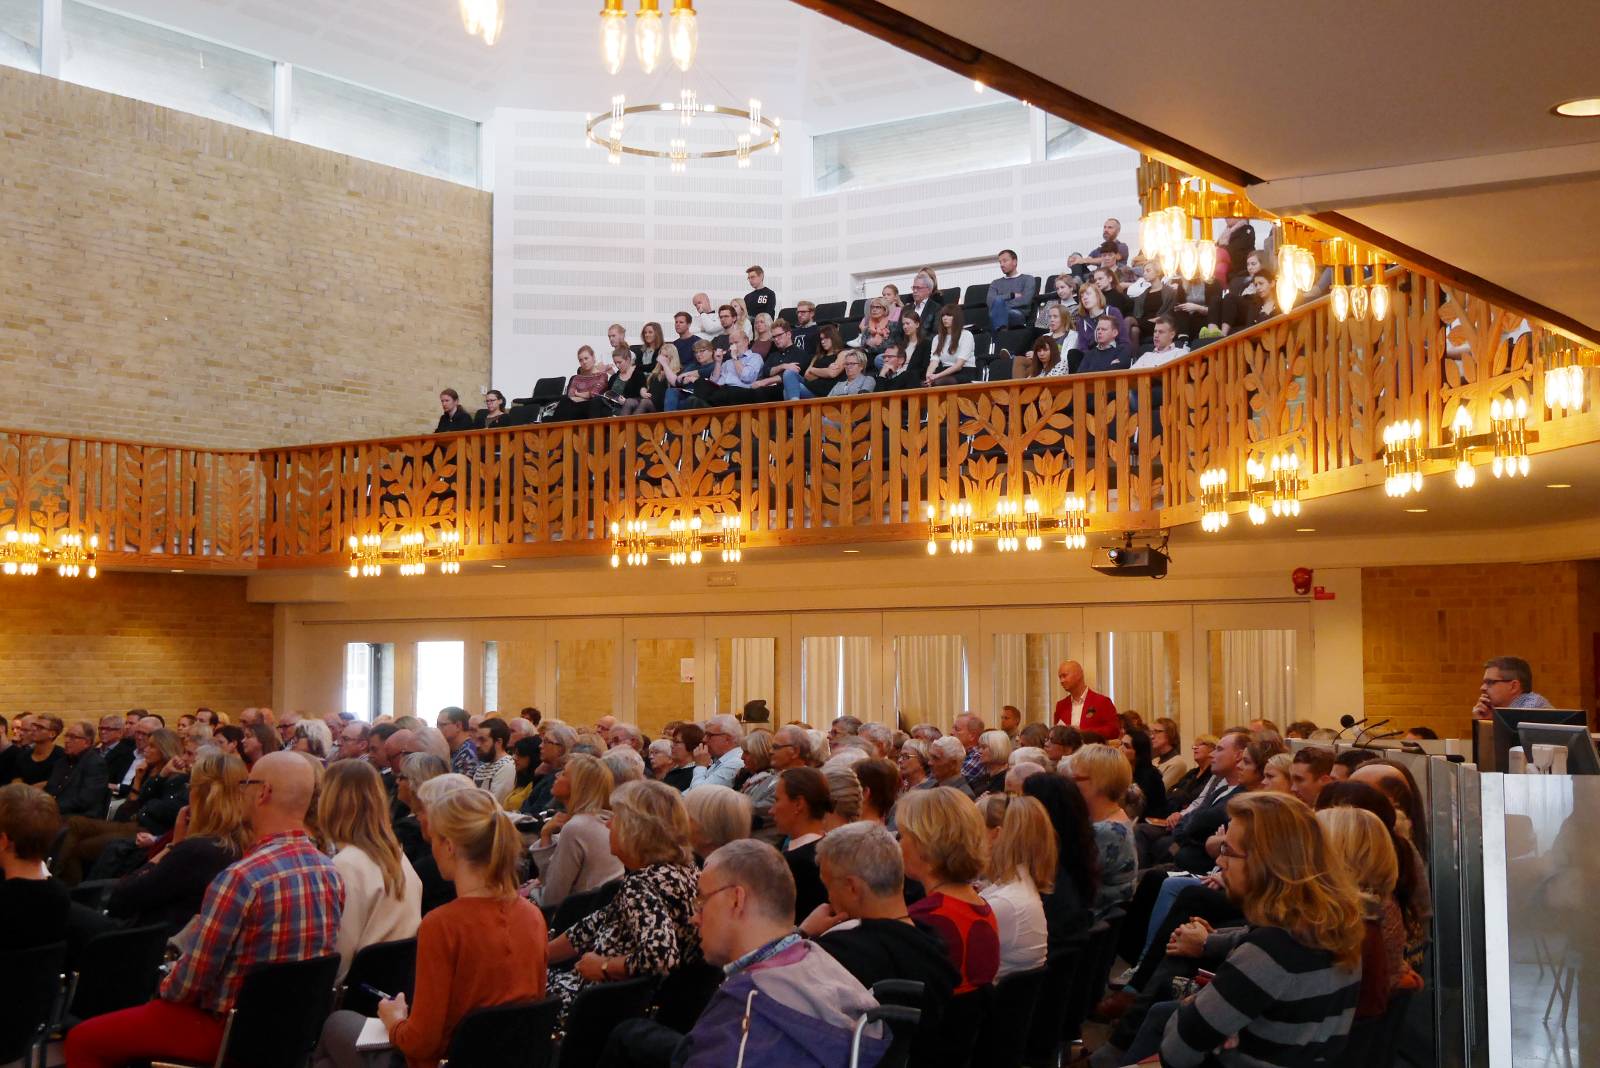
(169, 278)
(1426, 632)
(168, 643)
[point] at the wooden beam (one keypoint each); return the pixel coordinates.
(934, 45)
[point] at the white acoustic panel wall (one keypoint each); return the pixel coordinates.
(580, 243)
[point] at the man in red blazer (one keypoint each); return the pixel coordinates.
(1082, 707)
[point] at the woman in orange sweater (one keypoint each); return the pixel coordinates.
(487, 947)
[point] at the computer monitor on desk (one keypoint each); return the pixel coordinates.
(1582, 757)
(1506, 723)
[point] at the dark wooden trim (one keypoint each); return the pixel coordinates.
(934, 45)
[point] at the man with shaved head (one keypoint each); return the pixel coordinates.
(281, 902)
(1082, 707)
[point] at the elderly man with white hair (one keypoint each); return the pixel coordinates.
(520, 729)
(944, 758)
(625, 763)
(719, 759)
(879, 737)
(626, 734)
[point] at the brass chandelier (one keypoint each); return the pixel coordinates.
(410, 553)
(756, 130)
(1405, 448)
(1271, 488)
(685, 540)
(24, 552)
(1014, 524)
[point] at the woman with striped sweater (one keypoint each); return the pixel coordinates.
(1286, 994)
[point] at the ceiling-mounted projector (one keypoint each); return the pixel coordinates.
(1132, 561)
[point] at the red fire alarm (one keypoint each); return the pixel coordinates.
(1301, 577)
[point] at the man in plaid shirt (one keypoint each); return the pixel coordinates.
(281, 902)
(967, 728)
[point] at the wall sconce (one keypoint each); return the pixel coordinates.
(1507, 438)
(1566, 378)
(412, 553)
(23, 552)
(1015, 525)
(1271, 488)
(684, 541)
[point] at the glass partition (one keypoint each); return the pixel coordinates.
(1138, 671)
(585, 679)
(1253, 676)
(663, 682)
(835, 678)
(19, 34)
(747, 670)
(930, 679)
(441, 677)
(1025, 673)
(336, 115)
(369, 679)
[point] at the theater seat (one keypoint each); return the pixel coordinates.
(831, 312)
(789, 314)
(950, 296)
(858, 308)
(977, 297)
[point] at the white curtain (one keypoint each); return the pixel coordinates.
(753, 664)
(1136, 670)
(930, 678)
(1025, 673)
(836, 679)
(1258, 675)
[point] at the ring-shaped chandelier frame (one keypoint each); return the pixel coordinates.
(617, 145)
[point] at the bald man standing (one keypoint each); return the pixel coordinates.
(1082, 707)
(281, 902)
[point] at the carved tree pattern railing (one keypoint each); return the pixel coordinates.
(861, 468)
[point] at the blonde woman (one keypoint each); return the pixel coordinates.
(844, 790)
(382, 891)
(945, 848)
(760, 782)
(646, 929)
(717, 815)
(1365, 845)
(210, 835)
(312, 736)
(891, 293)
(487, 947)
(877, 328)
(1103, 775)
(1275, 777)
(1286, 993)
(1022, 864)
(574, 851)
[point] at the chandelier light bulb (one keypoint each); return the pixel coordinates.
(1359, 303)
(1339, 301)
(1208, 259)
(1305, 270)
(484, 18)
(1380, 302)
(1466, 474)
(683, 34)
(648, 34)
(1284, 290)
(613, 36)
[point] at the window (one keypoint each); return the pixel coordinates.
(441, 677)
(368, 680)
(19, 34)
(491, 676)
(1063, 139)
(973, 139)
(132, 58)
(345, 118)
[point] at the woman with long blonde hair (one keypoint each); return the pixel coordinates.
(945, 848)
(1288, 989)
(574, 851)
(382, 892)
(1022, 864)
(485, 948)
(1366, 846)
(210, 835)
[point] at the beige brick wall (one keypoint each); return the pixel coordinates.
(171, 278)
(169, 643)
(1428, 630)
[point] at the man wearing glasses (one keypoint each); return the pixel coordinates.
(1507, 683)
(719, 758)
(37, 752)
(78, 781)
(116, 744)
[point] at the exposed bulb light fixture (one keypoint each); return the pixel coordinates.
(1566, 378)
(1404, 450)
(1016, 525)
(1272, 489)
(484, 18)
(613, 36)
(648, 35)
(683, 34)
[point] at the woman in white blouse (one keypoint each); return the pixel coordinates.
(1022, 862)
(574, 851)
(952, 348)
(382, 892)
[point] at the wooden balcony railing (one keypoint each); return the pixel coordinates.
(857, 469)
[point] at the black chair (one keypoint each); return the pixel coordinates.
(902, 1021)
(1374, 1042)
(1015, 339)
(1043, 1045)
(1049, 290)
(1086, 985)
(685, 993)
(858, 308)
(116, 970)
(1004, 1038)
(831, 312)
(387, 966)
(577, 906)
(1000, 370)
(950, 296)
(93, 893)
(789, 314)
(278, 1016)
(902, 994)
(515, 1035)
(849, 331)
(977, 297)
(597, 1009)
(31, 982)
(956, 1036)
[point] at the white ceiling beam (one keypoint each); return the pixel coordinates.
(1425, 181)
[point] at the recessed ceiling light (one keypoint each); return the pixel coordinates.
(1416, 511)
(1305, 530)
(1585, 107)
(852, 550)
(497, 565)
(1558, 485)
(177, 571)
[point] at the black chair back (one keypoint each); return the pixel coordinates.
(685, 993)
(548, 389)
(118, 970)
(1004, 1038)
(30, 989)
(831, 312)
(1044, 1030)
(956, 1035)
(518, 1034)
(577, 906)
(950, 296)
(1001, 370)
(387, 966)
(902, 1021)
(280, 1012)
(1086, 983)
(789, 314)
(858, 308)
(596, 1011)
(977, 296)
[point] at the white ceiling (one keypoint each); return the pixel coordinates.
(1293, 90)
(801, 65)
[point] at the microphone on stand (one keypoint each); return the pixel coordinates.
(1347, 721)
(1368, 731)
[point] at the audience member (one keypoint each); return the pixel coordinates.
(1069, 906)
(117, 745)
(626, 391)
(855, 380)
(951, 356)
(1109, 253)
(311, 736)
(78, 781)
(1345, 764)
(159, 790)
(425, 779)
(1107, 353)
(758, 781)
(645, 929)
(1507, 683)
(525, 758)
(760, 300)
(496, 770)
(946, 757)
(880, 788)
(925, 301)
(35, 904)
(259, 740)
(806, 329)
(1022, 863)
(1366, 848)
(382, 892)
(1010, 295)
(1082, 707)
(717, 815)
(281, 902)
(943, 846)
(624, 763)
(914, 764)
(1102, 776)
(800, 807)
(574, 853)
(719, 758)
(1061, 741)
(1165, 333)
(707, 319)
(1310, 772)
(355, 741)
(493, 413)
(995, 747)
(453, 416)
(455, 724)
(651, 346)
(1275, 775)
(582, 398)
(37, 753)
(1136, 748)
(844, 789)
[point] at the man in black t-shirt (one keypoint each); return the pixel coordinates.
(35, 758)
(760, 298)
(806, 329)
(683, 344)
